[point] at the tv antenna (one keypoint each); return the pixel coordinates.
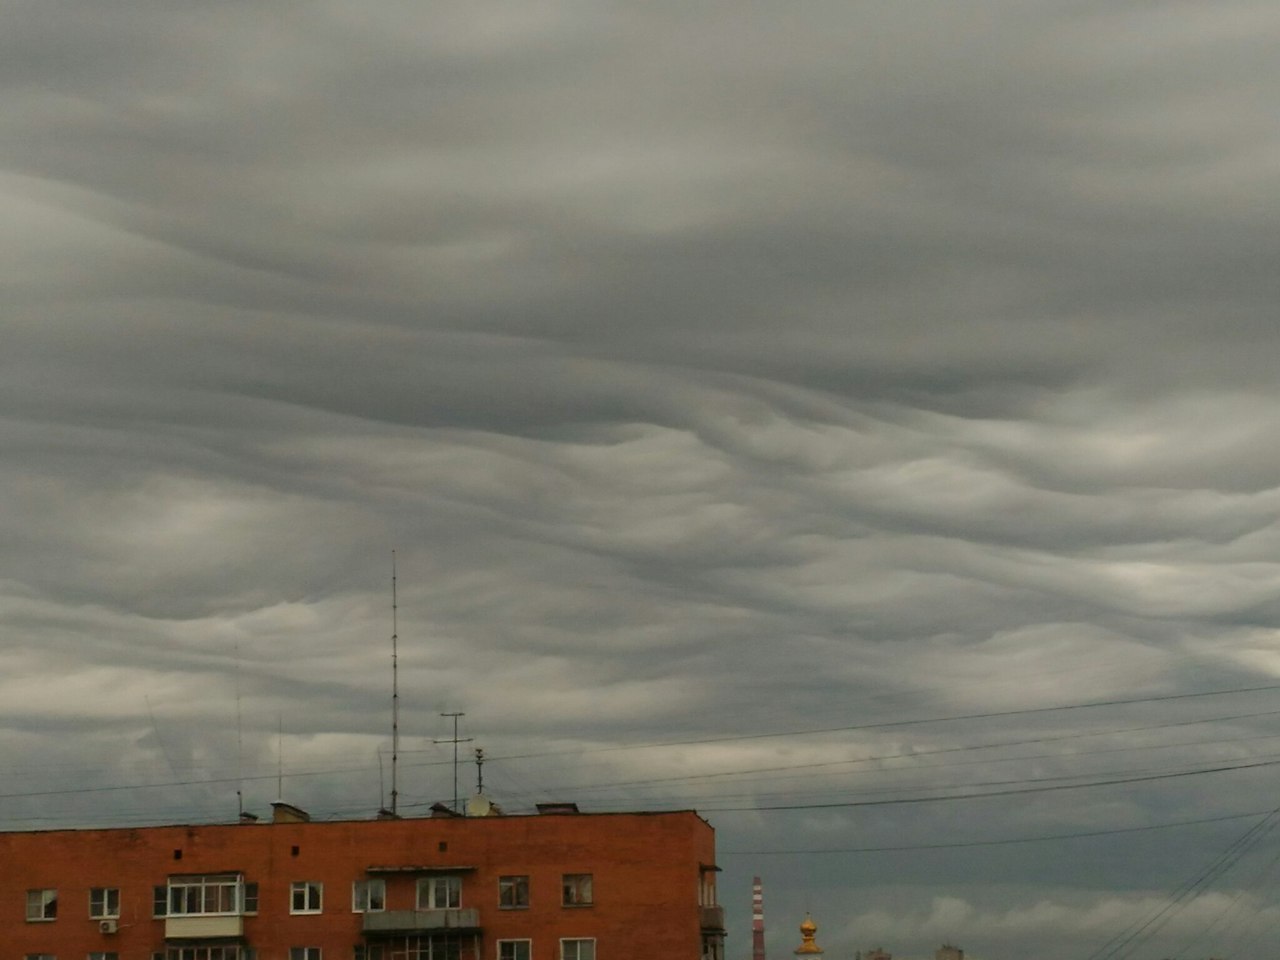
(395, 688)
(239, 743)
(280, 759)
(455, 741)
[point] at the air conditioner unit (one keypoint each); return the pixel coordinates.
(108, 926)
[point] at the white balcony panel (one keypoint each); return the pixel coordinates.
(195, 927)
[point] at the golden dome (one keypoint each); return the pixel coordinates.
(808, 947)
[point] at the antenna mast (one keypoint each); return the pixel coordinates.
(280, 759)
(395, 687)
(455, 741)
(239, 743)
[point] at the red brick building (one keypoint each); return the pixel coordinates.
(552, 886)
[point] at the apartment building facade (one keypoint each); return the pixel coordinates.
(550, 886)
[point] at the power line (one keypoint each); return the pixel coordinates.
(887, 724)
(993, 793)
(912, 754)
(962, 844)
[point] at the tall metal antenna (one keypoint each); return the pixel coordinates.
(455, 741)
(239, 743)
(395, 688)
(479, 769)
(280, 759)
(382, 785)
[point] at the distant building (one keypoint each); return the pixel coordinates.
(948, 952)
(558, 885)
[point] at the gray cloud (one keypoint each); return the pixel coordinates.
(715, 373)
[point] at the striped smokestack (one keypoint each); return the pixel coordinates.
(757, 919)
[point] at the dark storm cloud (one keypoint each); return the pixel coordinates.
(714, 372)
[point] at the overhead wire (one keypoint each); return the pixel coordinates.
(998, 842)
(1138, 933)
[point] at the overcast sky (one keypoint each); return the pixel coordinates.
(720, 373)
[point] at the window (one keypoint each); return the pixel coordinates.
(707, 889)
(218, 895)
(368, 896)
(577, 950)
(439, 893)
(104, 903)
(367, 951)
(306, 896)
(513, 893)
(514, 949)
(209, 953)
(42, 905)
(712, 946)
(160, 901)
(104, 956)
(576, 890)
(304, 953)
(39, 956)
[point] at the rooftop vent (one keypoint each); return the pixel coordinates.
(558, 808)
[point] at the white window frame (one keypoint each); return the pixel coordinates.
(526, 954)
(450, 883)
(363, 896)
(104, 955)
(305, 953)
(577, 889)
(577, 953)
(311, 895)
(42, 905)
(107, 905)
(205, 895)
(210, 952)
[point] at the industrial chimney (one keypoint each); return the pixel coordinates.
(757, 919)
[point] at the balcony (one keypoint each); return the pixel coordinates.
(196, 927)
(712, 918)
(420, 921)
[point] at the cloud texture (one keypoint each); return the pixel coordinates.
(719, 374)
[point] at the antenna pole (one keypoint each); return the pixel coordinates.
(479, 769)
(280, 759)
(239, 743)
(455, 741)
(395, 687)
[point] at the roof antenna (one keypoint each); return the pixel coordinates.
(280, 760)
(382, 784)
(479, 769)
(455, 741)
(395, 689)
(239, 743)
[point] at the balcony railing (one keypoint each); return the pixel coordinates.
(420, 921)
(196, 927)
(713, 918)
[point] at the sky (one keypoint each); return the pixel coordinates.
(821, 415)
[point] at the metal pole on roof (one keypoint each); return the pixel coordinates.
(455, 741)
(395, 687)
